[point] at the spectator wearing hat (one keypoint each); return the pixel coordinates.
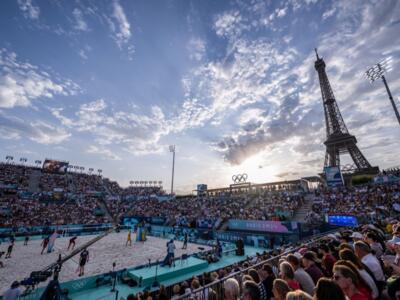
(13, 292)
(305, 280)
(309, 262)
(395, 238)
(357, 236)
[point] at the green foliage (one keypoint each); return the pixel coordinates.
(361, 179)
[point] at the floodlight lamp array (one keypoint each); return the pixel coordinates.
(375, 72)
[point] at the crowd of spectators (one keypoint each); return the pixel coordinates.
(112, 187)
(32, 212)
(278, 206)
(84, 183)
(185, 211)
(14, 175)
(372, 201)
(363, 264)
(50, 182)
(375, 201)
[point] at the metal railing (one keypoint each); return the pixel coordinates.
(214, 290)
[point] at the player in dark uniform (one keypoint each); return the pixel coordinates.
(26, 241)
(44, 243)
(72, 242)
(185, 240)
(84, 258)
(9, 250)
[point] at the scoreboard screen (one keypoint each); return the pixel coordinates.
(341, 220)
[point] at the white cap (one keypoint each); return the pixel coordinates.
(356, 235)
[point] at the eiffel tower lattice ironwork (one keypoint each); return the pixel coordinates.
(339, 140)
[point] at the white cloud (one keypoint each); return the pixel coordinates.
(38, 131)
(82, 53)
(21, 83)
(223, 87)
(48, 134)
(121, 29)
(103, 151)
(255, 73)
(229, 24)
(329, 13)
(280, 13)
(135, 133)
(196, 48)
(80, 22)
(29, 9)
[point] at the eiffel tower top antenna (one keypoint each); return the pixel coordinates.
(316, 53)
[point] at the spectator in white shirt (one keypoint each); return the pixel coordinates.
(363, 252)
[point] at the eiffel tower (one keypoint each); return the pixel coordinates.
(338, 139)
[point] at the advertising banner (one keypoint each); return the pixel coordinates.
(385, 179)
(260, 226)
(333, 176)
(157, 220)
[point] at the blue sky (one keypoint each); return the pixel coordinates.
(110, 84)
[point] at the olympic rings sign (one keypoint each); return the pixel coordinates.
(240, 178)
(79, 284)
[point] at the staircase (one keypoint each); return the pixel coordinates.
(224, 225)
(34, 180)
(301, 213)
(71, 183)
(106, 189)
(102, 203)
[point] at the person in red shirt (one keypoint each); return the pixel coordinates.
(347, 280)
(286, 272)
(362, 286)
(327, 261)
(309, 262)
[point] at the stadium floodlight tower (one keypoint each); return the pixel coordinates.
(377, 71)
(172, 149)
